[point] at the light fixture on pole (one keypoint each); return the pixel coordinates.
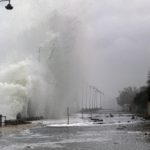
(8, 6)
(101, 93)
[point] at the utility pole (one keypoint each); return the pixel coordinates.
(86, 97)
(100, 95)
(82, 102)
(91, 100)
(99, 100)
(94, 97)
(68, 115)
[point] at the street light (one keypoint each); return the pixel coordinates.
(101, 93)
(96, 90)
(8, 6)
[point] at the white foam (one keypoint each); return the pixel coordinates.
(31, 146)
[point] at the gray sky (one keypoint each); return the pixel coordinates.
(115, 37)
(121, 58)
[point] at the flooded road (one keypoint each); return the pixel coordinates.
(119, 132)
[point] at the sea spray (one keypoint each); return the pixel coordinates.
(14, 83)
(40, 73)
(44, 82)
(21, 83)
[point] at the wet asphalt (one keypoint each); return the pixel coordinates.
(110, 135)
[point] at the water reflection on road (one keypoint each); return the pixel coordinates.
(119, 132)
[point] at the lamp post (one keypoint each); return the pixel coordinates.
(8, 6)
(100, 93)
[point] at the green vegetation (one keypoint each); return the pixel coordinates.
(148, 86)
(135, 99)
(140, 101)
(126, 96)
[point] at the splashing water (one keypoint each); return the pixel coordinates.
(40, 73)
(18, 86)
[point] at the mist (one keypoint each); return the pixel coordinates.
(40, 70)
(51, 49)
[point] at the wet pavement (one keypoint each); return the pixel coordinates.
(119, 132)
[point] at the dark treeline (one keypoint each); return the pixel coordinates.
(135, 100)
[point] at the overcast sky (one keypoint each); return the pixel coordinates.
(115, 34)
(121, 30)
